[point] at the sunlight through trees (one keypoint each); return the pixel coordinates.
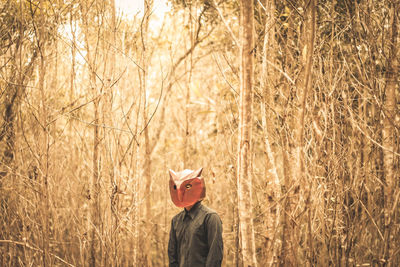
(291, 107)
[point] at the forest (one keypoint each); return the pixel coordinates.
(290, 107)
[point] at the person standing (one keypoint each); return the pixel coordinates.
(195, 238)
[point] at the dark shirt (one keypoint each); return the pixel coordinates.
(195, 238)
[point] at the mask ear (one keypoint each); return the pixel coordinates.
(197, 173)
(172, 175)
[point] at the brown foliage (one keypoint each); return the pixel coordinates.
(96, 106)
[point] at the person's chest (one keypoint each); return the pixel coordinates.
(191, 231)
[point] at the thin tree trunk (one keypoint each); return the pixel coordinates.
(326, 148)
(286, 191)
(186, 142)
(94, 220)
(388, 133)
(44, 165)
(297, 173)
(309, 52)
(268, 82)
(146, 235)
(303, 85)
(114, 179)
(44, 146)
(244, 180)
(95, 188)
(73, 63)
(137, 213)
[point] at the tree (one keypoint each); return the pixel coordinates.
(145, 56)
(311, 178)
(391, 187)
(13, 32)
(89, 12)
(244, 178)
(268, 83)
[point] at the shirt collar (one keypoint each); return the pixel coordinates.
(193, 211)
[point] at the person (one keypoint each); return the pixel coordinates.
(195, 238)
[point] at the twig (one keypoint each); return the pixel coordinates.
(353, 122)
(25, 244)
(235, 40)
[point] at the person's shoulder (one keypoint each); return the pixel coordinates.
(208, 210)
(178, 216)
(211, 216)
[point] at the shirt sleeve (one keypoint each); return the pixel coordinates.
(173, 247)
(214, 239)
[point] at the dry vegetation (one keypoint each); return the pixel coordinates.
(291, 106)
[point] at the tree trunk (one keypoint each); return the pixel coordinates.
(244, 180)
(44, 164)
(297, 170)
(303, 86)
(94, 217)
(146, 235)
(388, 133)
(95, 188)
(43, 146)
(71, 93)
(115, 180)
(268, 83)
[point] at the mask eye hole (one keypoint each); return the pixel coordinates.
(188, 186)
(174, 186)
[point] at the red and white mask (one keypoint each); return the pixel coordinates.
(186, 187)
